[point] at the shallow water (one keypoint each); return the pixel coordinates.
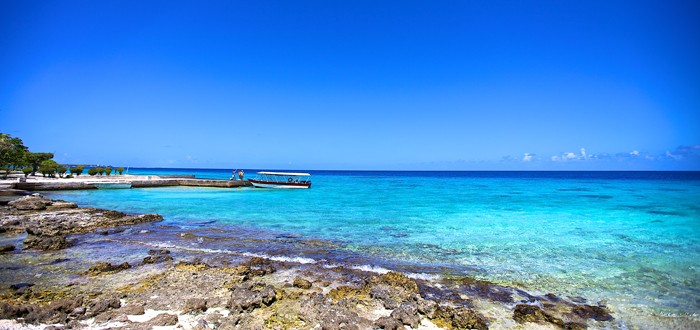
(630, 238)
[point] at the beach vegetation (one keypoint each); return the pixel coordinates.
(108, 171)
(12, 151)
(48, 167)
(27, 170)
(120, 170)
(61, 170)
(100, 170)
(92, 171)
(77, 170)
(34, 159)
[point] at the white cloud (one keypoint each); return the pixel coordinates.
(569, 155)
(673, 156)
(634, 152)
(555, 158)
(583, 153)
(527, 157)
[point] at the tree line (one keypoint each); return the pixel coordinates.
(15, 156)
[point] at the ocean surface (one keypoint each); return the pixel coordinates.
(631, 239)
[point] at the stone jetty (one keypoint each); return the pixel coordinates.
(137, 181)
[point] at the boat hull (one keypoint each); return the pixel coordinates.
(279, 185)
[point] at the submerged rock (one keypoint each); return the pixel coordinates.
(530, 313)
(7, 248)
(46, 243)
(106, 268)
(592, 312)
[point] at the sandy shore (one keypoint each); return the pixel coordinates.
(48, 281)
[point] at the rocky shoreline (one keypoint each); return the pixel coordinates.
(256, 293)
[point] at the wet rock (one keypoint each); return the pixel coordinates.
(259, 267)
(156, 259)
(247, 299)
(7, 248)
(574, 326)
(592, 312)
(18, 286)
(396, 280)
(46, 243)
(552, 297)
(101, 305)
(106, 268)
(530, 313)
(30, 203)
(459, 318)
(158, 252)
(133, 309)
(195, 305)
(112, 231)
(486, 289)
(302, 283)
(407, 313)
(426, 307)
(388, 323)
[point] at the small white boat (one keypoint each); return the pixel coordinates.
(282, 180)
(112, 185)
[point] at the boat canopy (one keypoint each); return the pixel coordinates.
(284, 173)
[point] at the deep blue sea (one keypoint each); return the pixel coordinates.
(629, 238)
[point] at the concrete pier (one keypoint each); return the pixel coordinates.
(137, 181)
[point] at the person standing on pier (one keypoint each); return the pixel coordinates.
(240, 175)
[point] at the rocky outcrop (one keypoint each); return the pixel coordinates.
(106, 268)
(48, 222)
(302, 283)
(157, 256)
(249, 296)
(531, 313)
(32, 202)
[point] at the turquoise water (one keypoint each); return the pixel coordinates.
(632, 239)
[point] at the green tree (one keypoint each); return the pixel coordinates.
(61, 170)
(120, 170)
(92, 171)
(108, 171)
(100, 170)
(34, 159)
(49, 167)
(12, 151)
(27, 171)
(77, 170)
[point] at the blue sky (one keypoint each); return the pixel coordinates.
(355, 84)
